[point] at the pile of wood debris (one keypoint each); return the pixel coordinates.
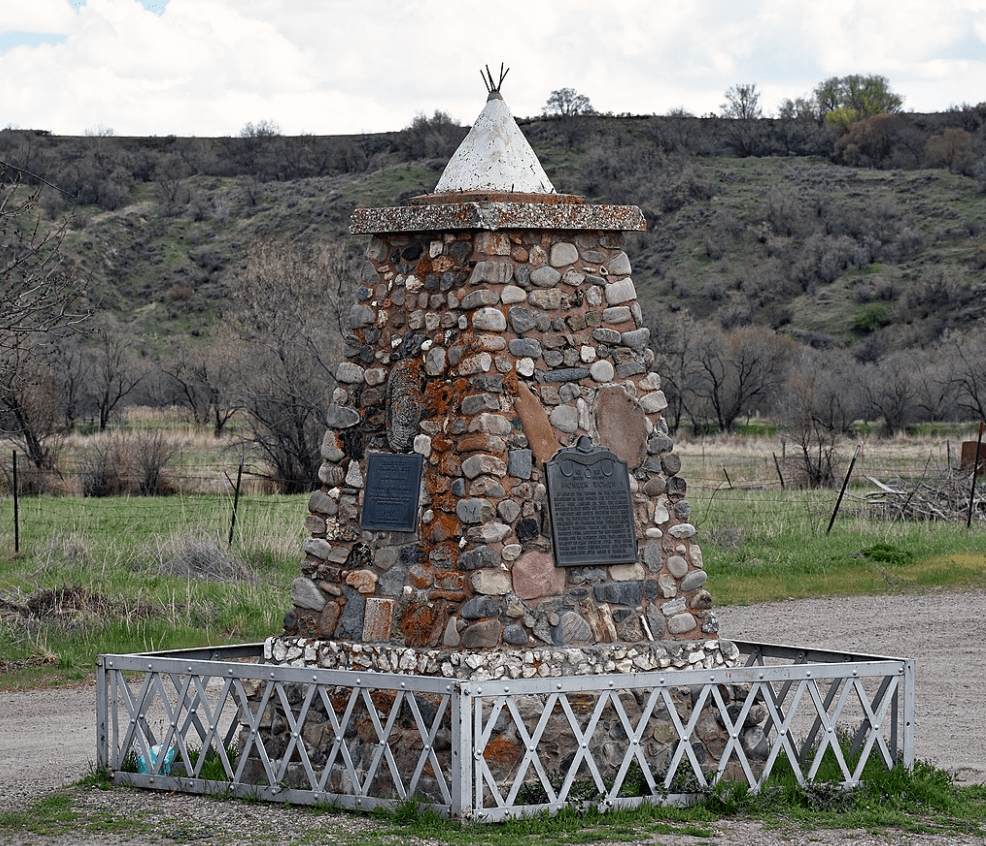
(942, 496)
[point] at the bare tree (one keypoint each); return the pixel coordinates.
(674, 337)
(115, 369)
(739, 371)
(205, 381)
(32, 406)
(567, 102)
(36, 293)
(742, 102)
(260, 129)
(287, 309)
(890, 391)
(935, 391)
(37, 296)
(967, 362)
(818, 404)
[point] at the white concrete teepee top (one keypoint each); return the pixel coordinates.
(495, 156)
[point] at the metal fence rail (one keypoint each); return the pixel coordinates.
(221, 721)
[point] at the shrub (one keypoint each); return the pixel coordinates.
(128, 464)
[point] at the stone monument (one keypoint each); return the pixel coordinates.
(499, 496)
(498, 481)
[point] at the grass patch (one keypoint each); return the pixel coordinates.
(570, 825)
(923, 800)
(48, 815)
(762, 546)
(132, 574)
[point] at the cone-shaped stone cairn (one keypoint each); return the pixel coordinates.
(496, 332)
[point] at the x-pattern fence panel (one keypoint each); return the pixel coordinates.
(219, 721)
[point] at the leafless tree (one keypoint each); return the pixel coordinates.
(288, 308)
(36, 293)
(567, 102)
(966, 355)
(115, 368)
(818, 403)
(739, 372)
(742, 102)
(673, 337)
(935, 391)
(890, 391)
(204, 378)
(37, 296)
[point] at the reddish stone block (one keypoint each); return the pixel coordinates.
(329, 618)
(622, 425)
(376, 620)
(535, 575)
(537, 427)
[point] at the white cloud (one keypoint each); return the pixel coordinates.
(206, 67)
(49, 17)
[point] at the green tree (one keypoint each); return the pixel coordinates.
(844, 100)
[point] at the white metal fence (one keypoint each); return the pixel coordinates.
(220, 721)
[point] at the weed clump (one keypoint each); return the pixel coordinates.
(195, 557)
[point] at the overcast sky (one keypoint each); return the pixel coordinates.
(207, 67)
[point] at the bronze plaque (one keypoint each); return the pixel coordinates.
(590, 507)
(390, 498)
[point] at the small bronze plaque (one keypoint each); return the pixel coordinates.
(390, 499)
(590, 507)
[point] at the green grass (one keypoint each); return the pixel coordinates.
(762, 546)
(138, 573)
(923, 800)
(134, 574)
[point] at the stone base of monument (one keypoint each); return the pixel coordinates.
(551, 720)
(492, 664)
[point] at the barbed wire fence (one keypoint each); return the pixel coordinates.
(932, 486)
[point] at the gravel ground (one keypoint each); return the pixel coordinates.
(47, 738)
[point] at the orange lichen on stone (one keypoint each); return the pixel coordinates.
(423, 624)
(503, 752)
(441, 443)
(443, 527)
(443, 397)
(444, 502)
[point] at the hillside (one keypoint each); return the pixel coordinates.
(833, 255)
(823, 281)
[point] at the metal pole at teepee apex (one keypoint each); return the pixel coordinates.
(975, 473)
(845, 484)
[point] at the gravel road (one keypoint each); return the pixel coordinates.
(47, 737)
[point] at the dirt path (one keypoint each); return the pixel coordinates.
(47, 738)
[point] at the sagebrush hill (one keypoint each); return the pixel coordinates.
(816, 275)
(874, 239)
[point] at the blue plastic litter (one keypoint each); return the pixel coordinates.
(153, 753)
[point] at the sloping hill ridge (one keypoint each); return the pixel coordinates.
(873, 259)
